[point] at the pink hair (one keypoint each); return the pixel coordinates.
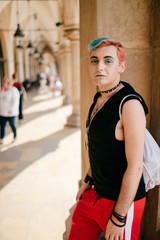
(120, 49)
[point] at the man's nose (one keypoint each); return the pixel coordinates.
(100, 66)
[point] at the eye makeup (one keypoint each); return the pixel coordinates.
(106, 59)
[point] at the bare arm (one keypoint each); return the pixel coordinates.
(134, 132)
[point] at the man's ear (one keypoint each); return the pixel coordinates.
(122, 67)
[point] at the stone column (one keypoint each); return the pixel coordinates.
(26, 64)
(88, 32)
(36, 67)
(95, 22)
(67, 72)
(9, 65)
(59, 58)
(20, 66)
(71, 30)
(126, 23)
(8, 53)
(152, 209)
(64, 63)
(74, 118)
(32, 67)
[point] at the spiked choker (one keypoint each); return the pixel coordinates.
(112, 89)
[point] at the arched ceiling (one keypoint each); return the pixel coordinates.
(37, 20)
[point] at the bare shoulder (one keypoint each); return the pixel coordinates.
(133, 113)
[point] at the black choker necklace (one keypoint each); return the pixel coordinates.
(110, 90)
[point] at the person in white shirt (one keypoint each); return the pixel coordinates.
(9, 107)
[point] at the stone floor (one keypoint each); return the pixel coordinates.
(39, 173)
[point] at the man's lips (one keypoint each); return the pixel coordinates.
(100, 75)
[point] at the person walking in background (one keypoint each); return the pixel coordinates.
(112, 196)
(9, 107)
(23, 95)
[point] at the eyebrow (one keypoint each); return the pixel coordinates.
(104, 57)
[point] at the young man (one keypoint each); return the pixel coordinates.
(115, 204)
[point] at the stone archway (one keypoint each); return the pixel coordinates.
(50, 61)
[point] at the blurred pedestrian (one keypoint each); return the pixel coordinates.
(27, 84)
(23, 95)
(43, 83)
(58, 84)
(9, 107)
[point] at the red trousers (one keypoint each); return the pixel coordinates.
(92, 213)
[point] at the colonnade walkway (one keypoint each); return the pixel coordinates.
(39, 173)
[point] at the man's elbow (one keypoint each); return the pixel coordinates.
(136, 169)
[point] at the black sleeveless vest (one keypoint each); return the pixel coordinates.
(107, 154)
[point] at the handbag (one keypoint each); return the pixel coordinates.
(151, 156)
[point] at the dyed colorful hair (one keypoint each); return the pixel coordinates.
(99, 42)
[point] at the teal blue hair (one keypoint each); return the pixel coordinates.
(93, 45)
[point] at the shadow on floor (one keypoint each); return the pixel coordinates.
(33, 115)
(10, 163)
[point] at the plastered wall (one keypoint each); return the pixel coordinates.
(130, 23)
(152, 212)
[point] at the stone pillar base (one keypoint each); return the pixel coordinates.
(73, 120)
(66, 100)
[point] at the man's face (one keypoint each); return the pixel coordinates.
(104, 66)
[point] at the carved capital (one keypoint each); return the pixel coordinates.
(72, 32)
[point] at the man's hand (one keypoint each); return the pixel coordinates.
(82, 189)
(113, 232)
